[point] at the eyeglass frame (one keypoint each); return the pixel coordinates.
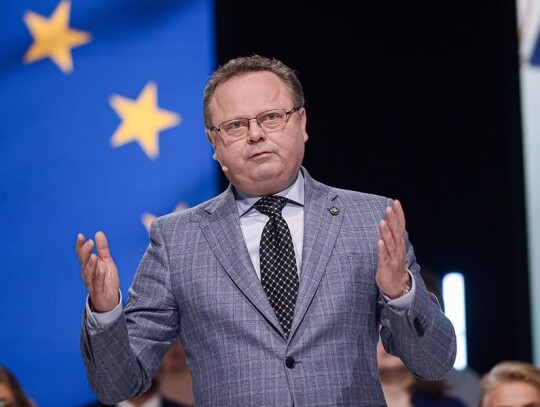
(287, 115)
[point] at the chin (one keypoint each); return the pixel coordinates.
(265, 171)
(261, 184)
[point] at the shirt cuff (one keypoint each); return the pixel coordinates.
(97, 321)
(405, 300)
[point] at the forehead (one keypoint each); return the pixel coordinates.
(249, 94)
(514, 394)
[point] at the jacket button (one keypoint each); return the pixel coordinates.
(86, 351)
(418, 326)
(290, 362)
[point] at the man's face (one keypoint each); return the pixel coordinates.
(259, 163)
(513, 394)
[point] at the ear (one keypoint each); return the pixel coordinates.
(210, 138)
(303, 122)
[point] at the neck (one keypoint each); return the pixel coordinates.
(240, 193)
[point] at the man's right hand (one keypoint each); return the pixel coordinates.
(98, 272)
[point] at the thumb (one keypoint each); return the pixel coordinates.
(102, 246)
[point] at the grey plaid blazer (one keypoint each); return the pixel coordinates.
(196, 281)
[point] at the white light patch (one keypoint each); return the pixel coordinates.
(453, 287)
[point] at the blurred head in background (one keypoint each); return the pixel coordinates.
(511, 384)
(11, 393)
(175, 378)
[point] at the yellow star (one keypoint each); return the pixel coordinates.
(53, 38)
(148, 218)
(142, 120)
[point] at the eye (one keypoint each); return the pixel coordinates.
(235, 125)
(271, 116)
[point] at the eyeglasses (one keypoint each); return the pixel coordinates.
(269, 121)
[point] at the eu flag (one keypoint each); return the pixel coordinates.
(101, 130)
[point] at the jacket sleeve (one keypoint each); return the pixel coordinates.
(421, 335)
(121, 359)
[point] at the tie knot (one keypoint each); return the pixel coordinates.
(271, 205)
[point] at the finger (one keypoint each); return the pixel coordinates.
(89, 272)
(400, 217)
(394, 241)
(99, 280)
(80, 241)
(84, 252)
(386, 236)
(400, 214)
(394, 225)
(382, 253)
(102, 246)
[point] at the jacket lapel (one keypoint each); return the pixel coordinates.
(321, 228)
(222, 230)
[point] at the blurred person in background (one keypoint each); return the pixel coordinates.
(151, 398)
(171, 386)
(11, 392)
(463, 384)
(403, 389)
(175, 378)
(511, 384)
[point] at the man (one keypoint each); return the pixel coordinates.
(284, 326)
(511, 384)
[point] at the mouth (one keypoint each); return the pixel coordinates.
(259, 155)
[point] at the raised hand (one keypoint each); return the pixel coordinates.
(392, 276)
(98, 272)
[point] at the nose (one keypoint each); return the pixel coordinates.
(255, 132)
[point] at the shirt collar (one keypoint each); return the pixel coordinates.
(294, 193)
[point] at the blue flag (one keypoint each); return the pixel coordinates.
(101, 130)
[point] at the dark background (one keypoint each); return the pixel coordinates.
(417, 101)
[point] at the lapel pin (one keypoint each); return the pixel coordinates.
(334, 210)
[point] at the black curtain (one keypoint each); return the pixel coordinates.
(416, 101)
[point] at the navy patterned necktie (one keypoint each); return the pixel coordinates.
(279, 274)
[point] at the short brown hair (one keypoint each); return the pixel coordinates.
(244, 65)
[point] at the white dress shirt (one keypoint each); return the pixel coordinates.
(253, 221)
